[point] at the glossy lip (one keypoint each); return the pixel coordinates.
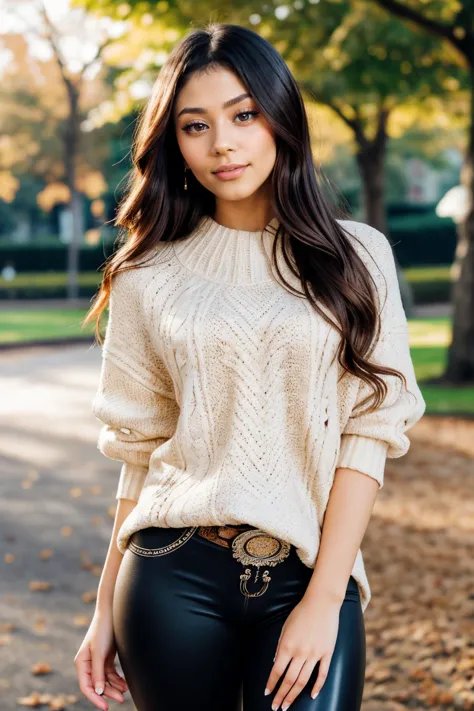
(231, 174)
(229, 166)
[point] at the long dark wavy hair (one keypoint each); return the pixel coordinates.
(156, 208)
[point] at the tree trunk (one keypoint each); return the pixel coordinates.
(460, 366)
(71, 141)
(371, 162)
(71, 138)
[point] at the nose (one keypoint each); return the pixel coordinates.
(222, 142)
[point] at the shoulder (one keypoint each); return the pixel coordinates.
(363, 234)
(376, 253)
(126, 281)
(136, 272)
(372, 246)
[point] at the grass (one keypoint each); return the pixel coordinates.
(45, 279)
(19, 325)
(429, 339)
(435, 273)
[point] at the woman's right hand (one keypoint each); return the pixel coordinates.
(95, 663)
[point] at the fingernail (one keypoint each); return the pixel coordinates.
(99, 689)
(286, 706)
(313, 696)
(266, 692)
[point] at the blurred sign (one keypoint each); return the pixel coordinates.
(65, 225)
(454, 204)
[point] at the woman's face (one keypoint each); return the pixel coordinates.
(211, 134)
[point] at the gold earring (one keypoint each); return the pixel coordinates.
(185, 181)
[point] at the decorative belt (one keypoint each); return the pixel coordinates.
(250, 546)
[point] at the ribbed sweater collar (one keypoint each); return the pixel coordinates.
(227, 255)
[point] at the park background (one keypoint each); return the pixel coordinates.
(388, 87)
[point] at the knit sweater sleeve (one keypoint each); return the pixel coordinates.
(368, 439)
(135, 398)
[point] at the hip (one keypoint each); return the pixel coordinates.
(240, 560)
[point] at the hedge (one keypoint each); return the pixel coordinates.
(417, 238)
(430, 285)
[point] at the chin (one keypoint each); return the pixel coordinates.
(237, 193)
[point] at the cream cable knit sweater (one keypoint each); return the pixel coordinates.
(219, 390)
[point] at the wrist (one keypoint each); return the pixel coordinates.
(317, 594)
(104, 604)
(103, 611)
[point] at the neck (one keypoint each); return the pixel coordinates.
(244, 223)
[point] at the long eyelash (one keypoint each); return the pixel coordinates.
(186, 128)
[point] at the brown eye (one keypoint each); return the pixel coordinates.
(247, 113)
(188, 128)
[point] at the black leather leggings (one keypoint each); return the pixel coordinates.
(188, 639)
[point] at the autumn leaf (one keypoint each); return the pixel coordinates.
(39, 585)
(41, 668)
(89, 596)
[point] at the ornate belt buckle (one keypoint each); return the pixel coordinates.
(258, 548)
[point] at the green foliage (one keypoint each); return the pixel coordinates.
(448, 15)
(421, 238)
(350, 53)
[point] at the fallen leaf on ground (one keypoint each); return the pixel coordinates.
(39, 585)
(89, 596)
(41, 668)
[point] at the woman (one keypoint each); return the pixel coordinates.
(255, 376)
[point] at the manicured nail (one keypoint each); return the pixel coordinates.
(286, 706)
(266, 692)
(99, 689)
(313, 696)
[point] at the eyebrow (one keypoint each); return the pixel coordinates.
(225, 105)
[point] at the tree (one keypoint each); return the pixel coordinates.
(368, 68)
(374, 73)
(73, 81)
(73, 75)
(453, 22)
